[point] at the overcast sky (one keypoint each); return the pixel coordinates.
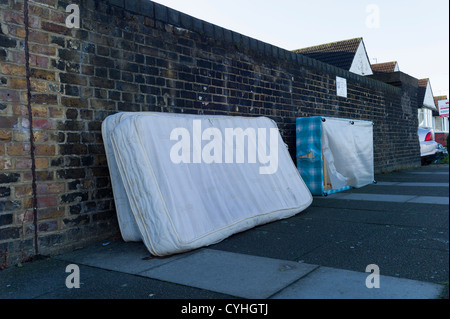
(413, 32)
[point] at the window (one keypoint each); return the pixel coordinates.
(441, 124)
(437, 124)
(425, 118)
(444, 124)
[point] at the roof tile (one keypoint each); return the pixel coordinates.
(340, 53)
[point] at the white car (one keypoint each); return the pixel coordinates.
(428, 146)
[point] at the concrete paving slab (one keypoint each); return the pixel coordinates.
(103, 284)
(437, 200)
(427, 173)
(33, 280)
(271, 244)
(291, 238)
(378, 197)
(239, 275)
(46, 279)
(408, 177)
(387, 183)
(402, 189)
(331, 283)
(395, 254)
(410, 184)
(130, 258)
(433, 219)
(424, 184)
(430, 200)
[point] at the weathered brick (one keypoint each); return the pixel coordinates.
(26, 216)
(18, 83)
(51, 213)
(55, 28)
(56, 112)
(42, 49)
(38, 37)
(50, 188)
(44, 98)
(47, 226)
(5, 191)
(73, 79)
(101, 83)
(70, 125)
(39, 86)
(42, 123)
(23, 191)
(2, 55)
(45, 150)
(69, 149)
(41, 176)
(36, 110)
(74, 197)
(5, 219)
(58, 17)
(25, 163)
(13, 17)
(47, 201)
(12, 232)
(7, 42)
(5, 135)
(74, 102)
(43, 74)
(47, 3)
(9, 177)
(18, 149)
(75, 221)
(9, 95)
(72, 173)
(5, 164)
(103, 62)
(16, 31)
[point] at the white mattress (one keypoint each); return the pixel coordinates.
(174, 207)
(348, 148)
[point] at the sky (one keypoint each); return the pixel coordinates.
(414, 33)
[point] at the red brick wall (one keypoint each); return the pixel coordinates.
(139, 56)
(441, 138)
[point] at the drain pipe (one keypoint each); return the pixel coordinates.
(30, 119)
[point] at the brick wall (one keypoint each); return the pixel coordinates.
(141, 56)
(441, 138)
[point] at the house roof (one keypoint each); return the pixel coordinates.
(339, 54)
(385, 67)
(424, 94)
(438, 98)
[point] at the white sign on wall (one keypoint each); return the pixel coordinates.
(443, 108)
(341, 86)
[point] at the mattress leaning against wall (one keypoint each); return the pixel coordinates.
(127, 223)
(175, 206)
(334, 154)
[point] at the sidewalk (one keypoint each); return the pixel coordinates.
(400, 224)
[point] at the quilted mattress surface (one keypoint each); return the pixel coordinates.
(176, 192)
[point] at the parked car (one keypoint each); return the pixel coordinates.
(430, 150)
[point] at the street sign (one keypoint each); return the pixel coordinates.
(443, 108)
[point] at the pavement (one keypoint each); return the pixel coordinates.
(389, 240)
